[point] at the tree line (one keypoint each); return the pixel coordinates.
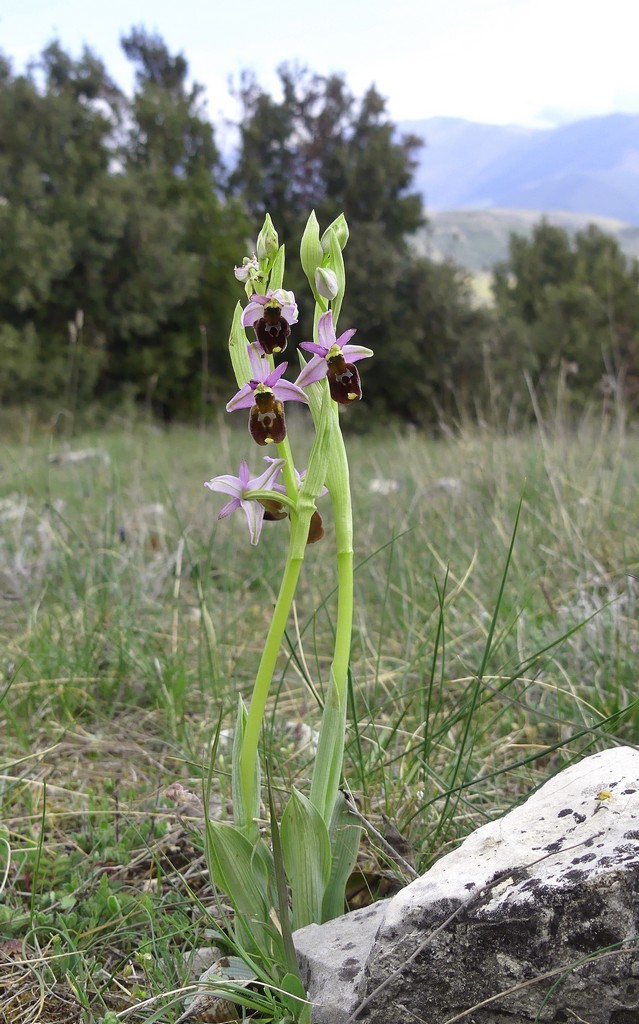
(121, 223)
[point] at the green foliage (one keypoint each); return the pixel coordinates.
(419, 318)
(306, 849)
(318, 148)
(569, 314)
(112, 207)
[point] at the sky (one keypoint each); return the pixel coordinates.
(530, 62)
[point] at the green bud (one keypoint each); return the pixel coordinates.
(326, 282)
(311, 249)
(340, 227)
(267, 240)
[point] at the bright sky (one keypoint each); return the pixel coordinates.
(533, 62)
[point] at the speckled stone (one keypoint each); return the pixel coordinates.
(535, 917)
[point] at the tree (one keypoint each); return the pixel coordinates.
(578, 302)
(175, 283)
(318, 148)
(58, 215)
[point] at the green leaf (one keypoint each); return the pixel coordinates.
(277, 271)
(337, 264)
(245, 817)
(327, 771)
(267, 240)
(241, 874)
(313, 482)
(280, 881)
(238, 349)
(339, 227)
(306, 849)
(345, 835)
(296, 996)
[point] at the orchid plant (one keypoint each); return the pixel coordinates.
(313, 848)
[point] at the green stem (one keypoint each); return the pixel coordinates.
(328, 763)
(338, 482)
(344, 625)
(300, 521)
(288, 470)
(264, 676)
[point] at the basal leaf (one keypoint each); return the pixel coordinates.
(306, 850)
(345, 835)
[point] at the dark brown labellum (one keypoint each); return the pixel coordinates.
(274, 510)
(343, 380)
(266, 419)
(316, 528)
(272, 331)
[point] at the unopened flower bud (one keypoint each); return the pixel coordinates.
(267, 240)
(310, 249)
(340, 227)
(326, 282)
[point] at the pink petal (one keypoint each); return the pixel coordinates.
(290, 313)
(326, 331)
(244, 473)
(314, 370)
(352, 353)
(275, 375)
(242, 400)
(259, 365)
(254, 517)
(254, 310)
(229, 508)
(225, 485)
(287, 392)
(346, 336)
(263, 482)
(310, 346)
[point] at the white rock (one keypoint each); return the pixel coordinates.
(549, 891)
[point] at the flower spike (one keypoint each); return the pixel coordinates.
(329, 360)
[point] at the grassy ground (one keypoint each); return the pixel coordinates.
(130, 620)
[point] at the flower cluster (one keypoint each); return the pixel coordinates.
(271, 312)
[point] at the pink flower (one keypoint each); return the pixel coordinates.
(265, 395)
(271, 316)
(239, 487)
(329, 360)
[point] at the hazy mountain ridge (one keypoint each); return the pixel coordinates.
(477, 239)
(589, 166)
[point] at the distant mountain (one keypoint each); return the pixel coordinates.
(589, 167)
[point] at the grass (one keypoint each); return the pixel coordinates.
(130, 620)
